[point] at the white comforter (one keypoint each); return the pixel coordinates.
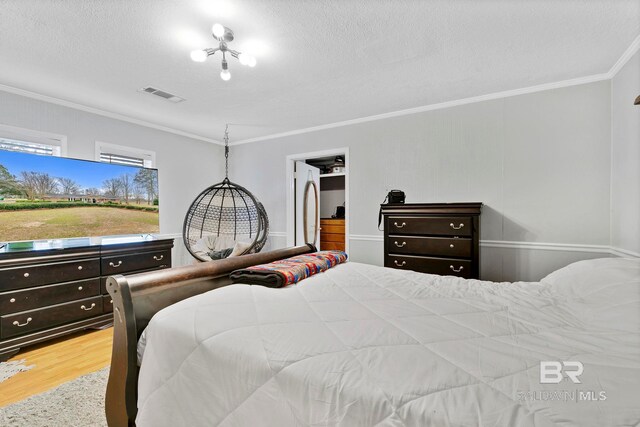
(368, 346)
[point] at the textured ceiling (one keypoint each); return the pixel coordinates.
(319, 61)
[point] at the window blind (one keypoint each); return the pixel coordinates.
(29, 147)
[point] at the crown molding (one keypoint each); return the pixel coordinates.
(626, 56)
(628, 53)
(432, 107)
(104, 113)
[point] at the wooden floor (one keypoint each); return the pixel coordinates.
(56, 362)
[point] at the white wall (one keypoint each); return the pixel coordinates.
(540, 162)
(625, 152)
(186, 166)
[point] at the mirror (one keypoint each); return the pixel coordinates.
(311, 213)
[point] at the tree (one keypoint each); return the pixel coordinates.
(68, 186)
(9, 185)
(38, 184)
(147, 179)
(112, 187)
(138, 191)
(126, 185)
(92, 191)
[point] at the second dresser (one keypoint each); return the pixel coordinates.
(436, 238)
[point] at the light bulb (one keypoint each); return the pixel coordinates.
(243, 58)
(199, 55)
(251, 61)
(218, 30)
(225, 75)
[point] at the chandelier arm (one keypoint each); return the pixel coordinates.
(210, 51)
(234, 53)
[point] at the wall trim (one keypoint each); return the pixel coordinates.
(565, 247)
(432, 107)
(624, 253)
(104, 113)
(541, 246)
(626, 56)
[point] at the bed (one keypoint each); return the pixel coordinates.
(360, 345)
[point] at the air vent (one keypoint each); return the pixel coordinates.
(162, 94)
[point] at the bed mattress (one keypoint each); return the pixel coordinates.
(361, 345)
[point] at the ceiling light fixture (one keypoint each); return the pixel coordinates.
(223, 35)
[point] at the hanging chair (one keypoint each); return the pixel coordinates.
(225, 220)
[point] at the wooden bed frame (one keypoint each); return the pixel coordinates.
(136, 298)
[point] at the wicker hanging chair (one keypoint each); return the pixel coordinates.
(225, 220)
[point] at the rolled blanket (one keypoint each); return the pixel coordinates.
(288, 271)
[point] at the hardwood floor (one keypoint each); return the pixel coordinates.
(56, 362)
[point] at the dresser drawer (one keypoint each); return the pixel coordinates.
(332, 227)
(41, 296)
(43, 274)
(439, 246)
(331, 237)
(120, 264)
(44, 318)
(430, 225)
(107, 304)
(332, 246)
(442, 266)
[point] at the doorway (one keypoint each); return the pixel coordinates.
(333, 185)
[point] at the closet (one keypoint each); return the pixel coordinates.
(330, 174)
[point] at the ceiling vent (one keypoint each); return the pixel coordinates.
(162, 94)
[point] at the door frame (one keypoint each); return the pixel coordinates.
(290, 166)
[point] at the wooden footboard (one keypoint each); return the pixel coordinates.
(136, 298)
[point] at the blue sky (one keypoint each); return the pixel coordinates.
(86, 174)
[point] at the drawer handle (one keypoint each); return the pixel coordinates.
(454, 269)
(12, 300)
(20, 325)
(158, 258)
(395, 261)
(110, 301)
(79, 288)
(401, 225)
(451, 246)
(116, 265)
(93, 304)
(26, 274)
(452, 225)
(79, 267)
(400, 246)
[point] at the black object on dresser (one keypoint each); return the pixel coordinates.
(436, 238)
(55, 287)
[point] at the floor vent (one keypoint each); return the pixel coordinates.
(162, 94)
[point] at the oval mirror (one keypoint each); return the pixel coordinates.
(310, 213)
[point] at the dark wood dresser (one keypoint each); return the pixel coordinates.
(436, 238)
(56, 287)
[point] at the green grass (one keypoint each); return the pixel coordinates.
(75, 222)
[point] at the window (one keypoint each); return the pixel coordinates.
(34, 142)
(29, 147)
(121, 155)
